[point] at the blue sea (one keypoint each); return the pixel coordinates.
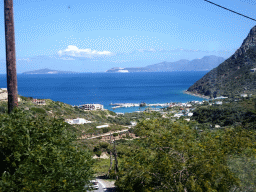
(106, 88)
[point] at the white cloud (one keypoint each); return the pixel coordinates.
(74, 51)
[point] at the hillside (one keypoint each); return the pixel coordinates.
(205, 64)
(234, 76)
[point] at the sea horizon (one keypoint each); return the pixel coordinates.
(105, 88)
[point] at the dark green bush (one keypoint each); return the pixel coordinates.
(38, 110)
(104, 145)
(39, 153)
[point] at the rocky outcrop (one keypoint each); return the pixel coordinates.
(234, 76)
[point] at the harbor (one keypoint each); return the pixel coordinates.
(126, 105)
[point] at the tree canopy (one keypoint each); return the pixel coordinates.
(40, 154)
(174, 157)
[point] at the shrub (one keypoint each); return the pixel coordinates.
(174, 157)
(36, 153)
(38, 110)
(104, 145)
(98, 153)
(105, 130)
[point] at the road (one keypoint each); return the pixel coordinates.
(107, 134)
(104, 187)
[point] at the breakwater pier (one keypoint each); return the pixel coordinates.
(120, 105)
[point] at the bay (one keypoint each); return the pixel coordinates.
(106, 88)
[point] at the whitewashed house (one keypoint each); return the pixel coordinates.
(253, 70)
(77, 121)
(190, 114)
(4, 95)
(178, 115)
(92, 107)
(218, 102)
(244, 95)
(80, 121)
(102, 126)
(133, 123)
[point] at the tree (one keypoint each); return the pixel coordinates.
(39, 153)
(174, 157)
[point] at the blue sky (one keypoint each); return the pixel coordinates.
(93, 36)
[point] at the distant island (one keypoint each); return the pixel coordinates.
(204, 64)
(48, 71)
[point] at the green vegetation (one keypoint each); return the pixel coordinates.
(174, 157)
(229, 114)
(40, 153)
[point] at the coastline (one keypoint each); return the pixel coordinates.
(196, 95)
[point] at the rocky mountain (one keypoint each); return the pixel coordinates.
(205, 64)
(234, 76)
(47, 71)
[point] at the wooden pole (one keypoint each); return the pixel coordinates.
(110, 167)
(10, 55)
(116, 162)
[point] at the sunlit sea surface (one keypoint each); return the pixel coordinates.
(106, 88)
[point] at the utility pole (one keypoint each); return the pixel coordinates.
(10, 55)
(110, 167)
(116, 162)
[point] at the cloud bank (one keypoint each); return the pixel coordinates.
(74, 51)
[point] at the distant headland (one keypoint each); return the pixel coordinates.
(206, 63)
(48, 71)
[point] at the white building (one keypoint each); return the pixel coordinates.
(221, 97)
(92, 107)
(4, 95)
(244, 95)
(218, 102)
(253, 70)
(80, 121)
(39, 101)
(133, 123)
(69, 121)
(178, 115)
(190, 114)
(188, 105)
(77, 121)
(102, 126)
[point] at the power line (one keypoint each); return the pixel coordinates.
(230, 10)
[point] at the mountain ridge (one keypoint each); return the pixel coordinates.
(234, 76)
(205, 64)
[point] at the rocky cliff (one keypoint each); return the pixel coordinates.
(234, 76)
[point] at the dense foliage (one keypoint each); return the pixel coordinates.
(174, 157)
(40, 154)
(229, 114)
